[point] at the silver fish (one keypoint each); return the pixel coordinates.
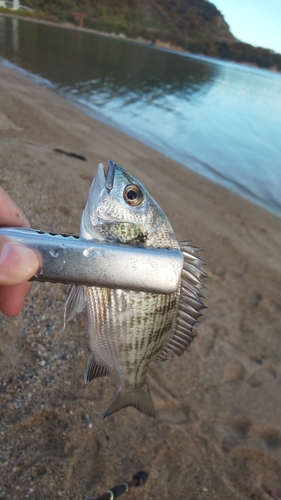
(128, 329)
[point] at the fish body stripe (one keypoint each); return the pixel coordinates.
(129, 329)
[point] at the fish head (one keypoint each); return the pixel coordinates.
(120, 209)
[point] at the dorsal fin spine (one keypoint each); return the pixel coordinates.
(183, 323)
(174, 342)
(193, 279)
(189, 310)
(189, 288)
(186, 338)
(196, 261)
(194, 270)
(183, 328)
(185, 316)
(196, 304)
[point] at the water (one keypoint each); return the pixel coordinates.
(220, 119)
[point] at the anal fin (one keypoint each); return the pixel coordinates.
(139, 399)
(94, 369)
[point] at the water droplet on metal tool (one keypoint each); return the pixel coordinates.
(54, 253)
(89, 252)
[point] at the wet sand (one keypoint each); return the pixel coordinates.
(217, 435)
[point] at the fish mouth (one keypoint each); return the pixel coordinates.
(111, 166)
(112, 170)
(100, 188)
(104, 179)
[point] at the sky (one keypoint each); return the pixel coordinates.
(257, 22)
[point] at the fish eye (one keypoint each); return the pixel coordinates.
(133, 195)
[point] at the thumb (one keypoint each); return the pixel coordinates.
(17, 262)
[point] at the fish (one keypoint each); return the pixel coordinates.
(129, 329)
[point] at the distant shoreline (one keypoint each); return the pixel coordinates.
(158, 44)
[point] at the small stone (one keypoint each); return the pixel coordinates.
(41, 470)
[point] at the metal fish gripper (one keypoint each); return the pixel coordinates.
(70, 259)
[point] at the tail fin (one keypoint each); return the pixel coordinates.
(139, 399)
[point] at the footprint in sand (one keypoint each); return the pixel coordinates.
(261, 376)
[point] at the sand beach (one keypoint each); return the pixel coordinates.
(217, 435)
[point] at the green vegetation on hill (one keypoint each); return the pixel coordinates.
(194, 25)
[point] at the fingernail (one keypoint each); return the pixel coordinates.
(17, 264)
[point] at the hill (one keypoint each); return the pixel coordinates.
(193, 25)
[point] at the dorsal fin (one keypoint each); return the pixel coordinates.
(190, 304)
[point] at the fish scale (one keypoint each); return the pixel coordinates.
(129, 329)
(134, 311)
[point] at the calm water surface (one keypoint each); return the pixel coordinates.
(220, 119)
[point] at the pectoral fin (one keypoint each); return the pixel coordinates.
(75, 302)
(139, 399)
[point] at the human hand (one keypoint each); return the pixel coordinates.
(17, 262)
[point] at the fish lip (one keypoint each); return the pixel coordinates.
(104, 181)
(110, 175)
(100, 188)
(99, 182)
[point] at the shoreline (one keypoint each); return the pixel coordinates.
(157, 45)
(244, 193)
(218, 432)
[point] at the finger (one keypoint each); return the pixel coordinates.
(12, 298)
(18, 263)
(11, 214)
